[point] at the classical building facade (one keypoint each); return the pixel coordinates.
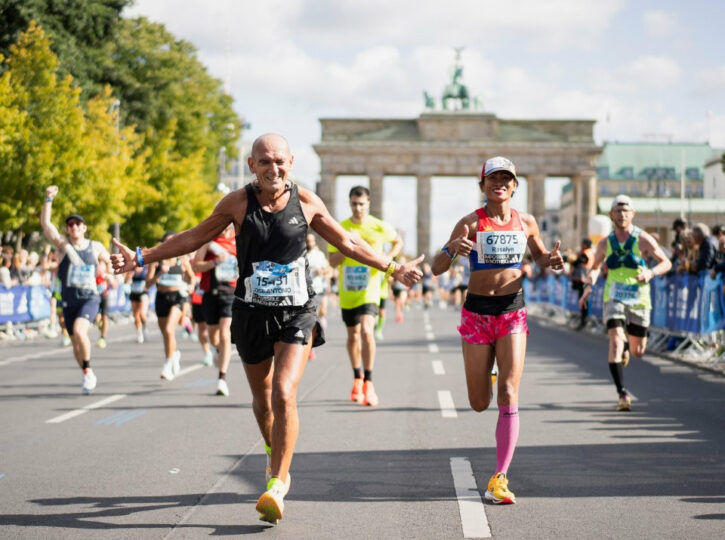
(457, 144)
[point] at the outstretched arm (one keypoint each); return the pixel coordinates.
(459, 243)
(352, 245)
(231, 209)
(49, 230)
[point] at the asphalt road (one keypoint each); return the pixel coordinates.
(144, 458)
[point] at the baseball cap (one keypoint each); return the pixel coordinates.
(75, 216)
(622, 200)
(679, 222)
(498, 163)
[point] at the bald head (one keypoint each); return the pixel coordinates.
(267, 141)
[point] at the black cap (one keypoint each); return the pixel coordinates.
(679, 222)
(75, 216)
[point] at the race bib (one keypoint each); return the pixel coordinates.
(171, 280)
(627, 294)
(138, 286)
(500, 247)
(82, 276)
(274, 284)
(227, 271)
(355, 278)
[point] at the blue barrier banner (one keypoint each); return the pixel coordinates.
(117, 300)
(14, 304)
(572, 298)
(560, 282)
(711, 305)
(528, 291)
(39, 302)
(596, 299)
(694, 292)
(658, 289)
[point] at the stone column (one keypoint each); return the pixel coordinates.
(423, 191)
(326, 190)
(536, 205)
(376, 194)
(586, 199)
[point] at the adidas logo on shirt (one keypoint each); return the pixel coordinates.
(293, 221)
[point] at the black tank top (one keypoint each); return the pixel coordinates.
(78, 281)
(174, 278)
(271, 249)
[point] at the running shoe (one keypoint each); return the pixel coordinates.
(271, 503)
(624, 403)
(222, 389)
(168, 371)
(89, 382)
(498, 490)
(176, 365)
(208, 358)
(102, 343)
(379, 334)
(51, 333)
(194, 337)
(494, 376)
(140, 338)
(357, 394)
(65, 341)
(371, 398)
(312, 355)
(399, 318)
(625, 357)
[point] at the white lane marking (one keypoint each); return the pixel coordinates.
(430, 336)
(438, 368)
(448, 409)
(428, 327)
(27, 357)
(83, 410)
(470, 505)
(433, 348)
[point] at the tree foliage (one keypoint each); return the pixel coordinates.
(47, 137)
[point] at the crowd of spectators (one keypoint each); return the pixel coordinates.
(23, 267)
(697, 248)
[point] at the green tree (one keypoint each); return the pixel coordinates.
(47, 138)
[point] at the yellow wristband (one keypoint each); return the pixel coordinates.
(390, 270)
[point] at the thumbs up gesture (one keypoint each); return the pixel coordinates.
(556, 261)
(461, 244)
(409, 273)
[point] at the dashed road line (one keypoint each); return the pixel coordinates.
(433, 348)
(83, 410)
(430, 336)
(448, 409)
(438, 368)
(470, 505)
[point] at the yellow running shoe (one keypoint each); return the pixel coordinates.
(271, 503)
(498, 490)
(624, 403)
(625, 357)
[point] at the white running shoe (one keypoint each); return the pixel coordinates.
(271, 504)
(140, 337)
(168, 371)
(176, 365)
(89, 382)
(208, 358)
(222, 389)
(65, 341)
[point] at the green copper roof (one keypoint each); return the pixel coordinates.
(653, 161)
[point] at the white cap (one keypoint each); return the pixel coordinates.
(498, 163)
(622, 200)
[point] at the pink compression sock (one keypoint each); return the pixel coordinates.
(507, 433)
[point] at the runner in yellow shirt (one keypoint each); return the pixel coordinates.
(360, 292)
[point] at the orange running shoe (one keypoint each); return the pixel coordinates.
(357, 394)
(371, 398)
(399, 318)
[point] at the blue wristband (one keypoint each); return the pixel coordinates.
(444, 249)
(139, 257)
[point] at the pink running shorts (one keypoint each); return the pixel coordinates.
(486, 329)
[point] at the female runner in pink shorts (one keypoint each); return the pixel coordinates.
(493, 318)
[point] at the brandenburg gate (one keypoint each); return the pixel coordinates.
(456, 143)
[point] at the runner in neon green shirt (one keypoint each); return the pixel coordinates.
(360, 292)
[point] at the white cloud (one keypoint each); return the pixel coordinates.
(660, 23)
(646, 72)
(711, 81)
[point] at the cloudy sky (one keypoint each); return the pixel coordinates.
(645, 70)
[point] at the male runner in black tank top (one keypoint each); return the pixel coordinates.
(274, 324)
